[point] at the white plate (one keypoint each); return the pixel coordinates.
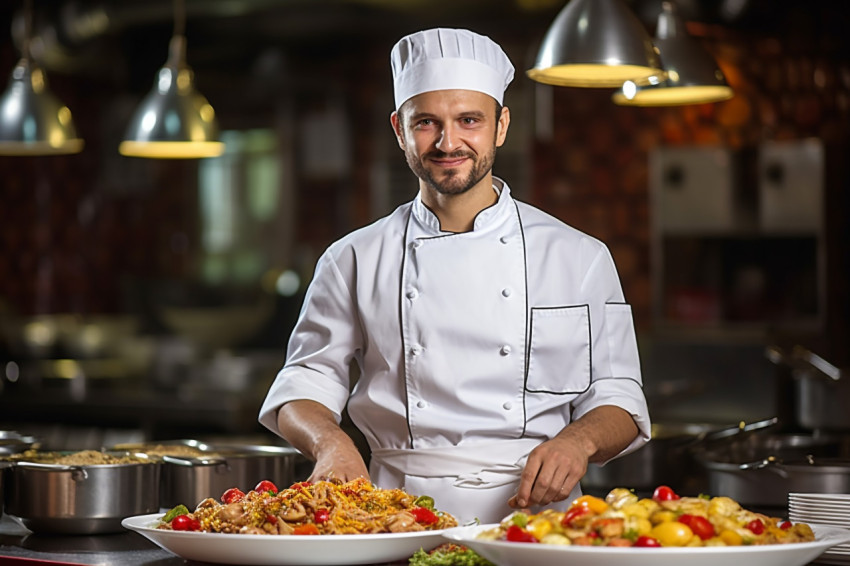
(821, 496)
(284, 550)
(523, 554)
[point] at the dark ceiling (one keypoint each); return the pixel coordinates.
(108, 38)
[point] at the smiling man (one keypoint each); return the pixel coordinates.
(497, 353)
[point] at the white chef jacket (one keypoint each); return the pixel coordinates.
(473, 347)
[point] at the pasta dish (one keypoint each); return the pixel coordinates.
(305, 508)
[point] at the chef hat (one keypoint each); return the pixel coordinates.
(441, 59)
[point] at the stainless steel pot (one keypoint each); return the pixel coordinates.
(768, 482)
(763, 468)
(189, 481)
(667, 459)
(91, 499)
(4, 466)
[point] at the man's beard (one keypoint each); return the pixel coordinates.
(452, 183)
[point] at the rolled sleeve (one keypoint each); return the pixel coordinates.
(324, 341)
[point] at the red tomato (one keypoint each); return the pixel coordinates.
(701, 526)
(185, 523)
(646, 541)
(308, 529)
(664, 493)
(232, 495)
(271, 519)
(321, 516)
(300, 485)
(424, 515)
(756, 526)
(515, 533)
(573, 514)
(785, 525)
(266, 486)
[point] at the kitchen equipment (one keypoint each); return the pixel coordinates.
(188, 480)
(821, 390)
(80, 499)
(667, 458)
(12, 442)
(768, 482)
(4, 466)
(762, 469)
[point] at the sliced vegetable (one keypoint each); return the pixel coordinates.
(175, 512)
(664, 493)
(425, 516)
(185, 523)
(701, 526)
(518, 534)
(232, 495)
(647, 541)
(425, 501)
(266, 486)
(308, 529)
(322, 515)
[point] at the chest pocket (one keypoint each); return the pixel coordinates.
(559, 353)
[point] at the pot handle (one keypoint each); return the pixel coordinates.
(199, 461)
(771, 463)
(78, 473)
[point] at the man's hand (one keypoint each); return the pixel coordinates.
(555, 467)
(311, 428)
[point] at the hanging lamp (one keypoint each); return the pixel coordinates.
(174, 121)
(693, 76)
(595, 43)
(32, 120)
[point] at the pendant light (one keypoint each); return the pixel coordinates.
(595, 43)
(32, 120)
(174, 121)
(693, 76)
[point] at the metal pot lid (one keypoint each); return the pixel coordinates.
(12, 442)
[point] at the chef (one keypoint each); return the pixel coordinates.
(496, 352)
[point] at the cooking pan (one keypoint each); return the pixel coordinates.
(667, 458)
(763, 468)
(768, 482)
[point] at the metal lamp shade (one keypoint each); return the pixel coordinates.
(693, 76)
(32, 120)
(595, 43)
(174, 121)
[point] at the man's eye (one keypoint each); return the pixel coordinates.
(425, 122)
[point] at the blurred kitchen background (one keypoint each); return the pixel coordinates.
(148, 299)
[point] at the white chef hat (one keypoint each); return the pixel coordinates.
(441, 59)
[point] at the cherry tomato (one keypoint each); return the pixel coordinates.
(232, 495)
(756, 526)
(266, 486)
(664, 493)
(518, 534)
(321, 516)
(785, 525)
(425, 516)
(646, 541)
(308, 529)
(271, 519)
(701, 526)
(185, 523)
(573, 514)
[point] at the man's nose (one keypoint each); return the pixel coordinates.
(448, 140)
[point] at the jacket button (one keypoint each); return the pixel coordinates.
(415, 244)
(507, 405)
(421, 404)
(504, 239)
(412, 294)
(505, 350)
(506, 292)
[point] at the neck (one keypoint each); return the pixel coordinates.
(457, 213)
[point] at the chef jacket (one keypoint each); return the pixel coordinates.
(473, 347)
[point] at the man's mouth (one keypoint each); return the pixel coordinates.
(449, 161)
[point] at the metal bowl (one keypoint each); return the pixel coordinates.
(87, 499)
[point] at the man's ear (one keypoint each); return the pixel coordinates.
(502, 126)
(396, 124)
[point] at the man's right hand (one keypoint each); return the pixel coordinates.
(312, 429)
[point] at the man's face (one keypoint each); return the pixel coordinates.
(449, 137)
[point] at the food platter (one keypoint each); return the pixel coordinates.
(279, 550)
(522, 554)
